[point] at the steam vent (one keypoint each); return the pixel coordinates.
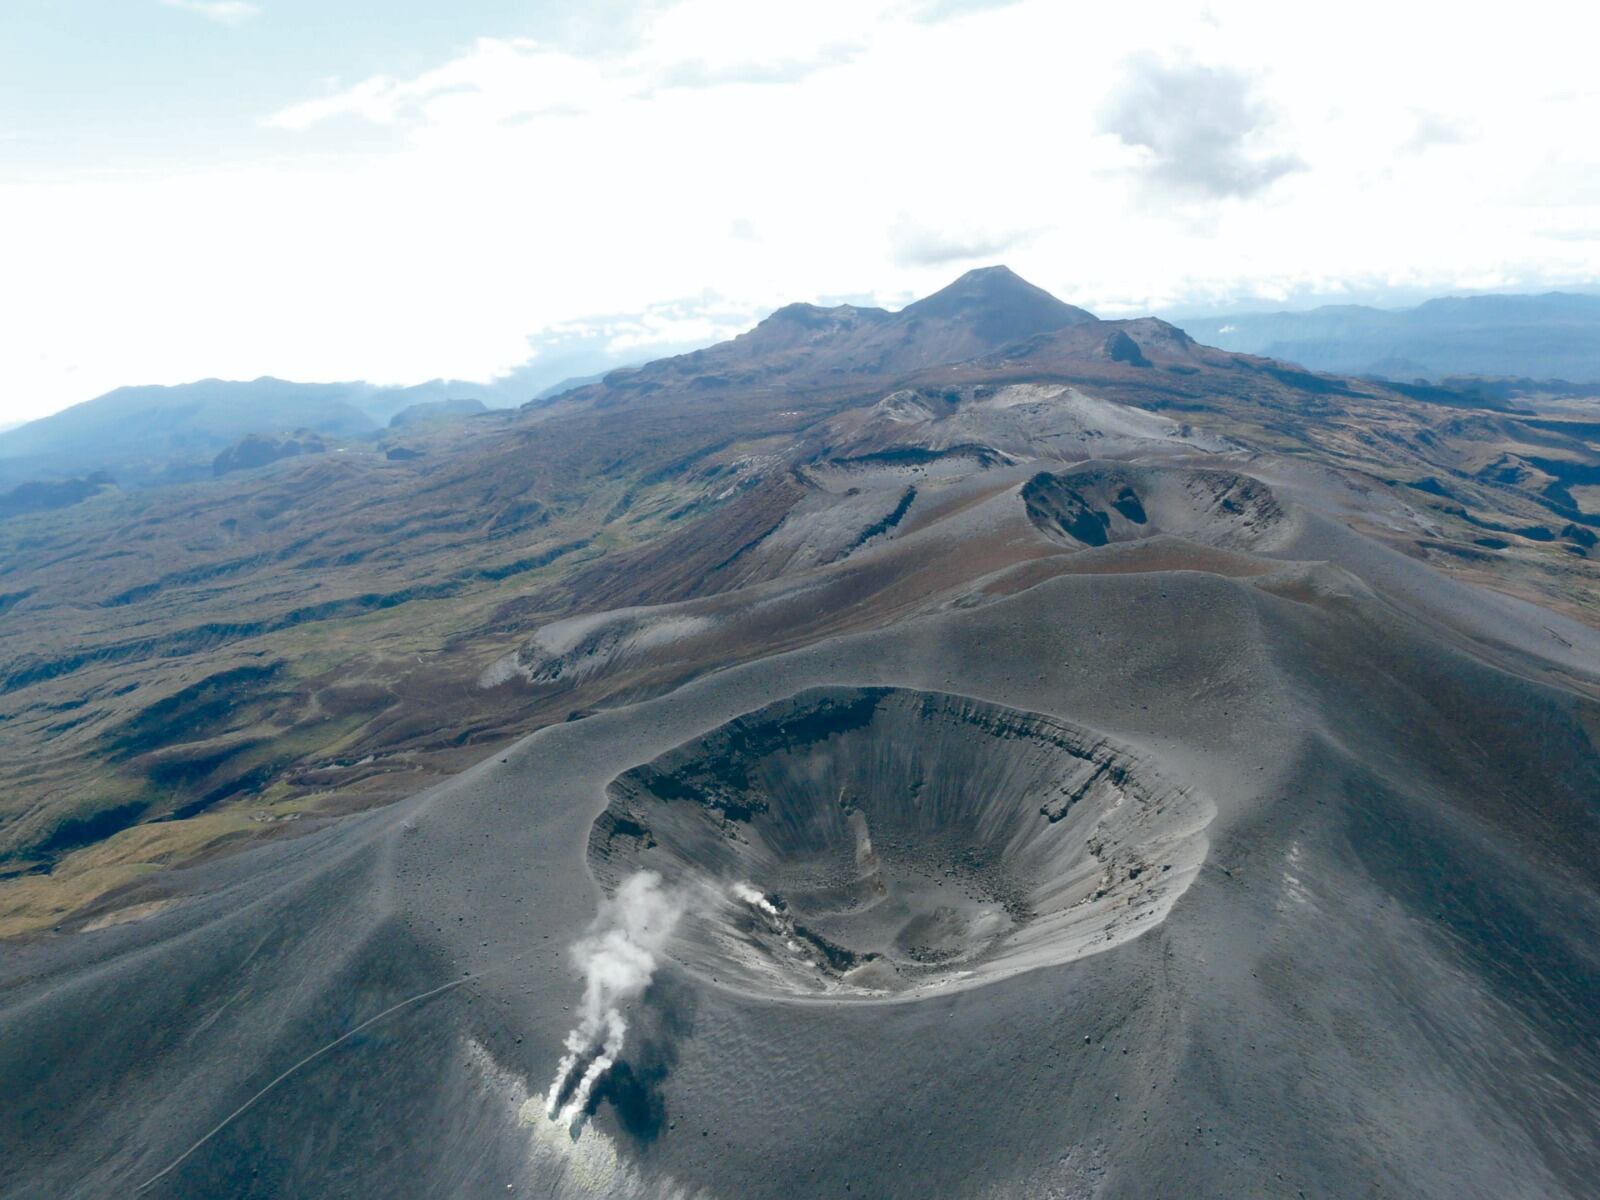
(885, 843)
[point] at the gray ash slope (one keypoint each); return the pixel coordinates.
(1086, 812)
(1381, 980)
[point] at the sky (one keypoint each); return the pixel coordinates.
(396, 191)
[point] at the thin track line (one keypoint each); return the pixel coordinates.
(315, 1054)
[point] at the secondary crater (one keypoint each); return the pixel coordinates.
(886, 843)
(1098, 504)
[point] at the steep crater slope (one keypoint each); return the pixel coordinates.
(882, 842)
(1050, 421)
(1099, 503)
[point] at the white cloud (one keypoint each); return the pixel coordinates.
(1430, 130)
(494, 82)
(429, 223)
(223, 12)
(1200, 127)
(915, 244)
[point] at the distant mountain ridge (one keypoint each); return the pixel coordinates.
(1551, 336)
(807, 346)
(149, 435)
(156, 433)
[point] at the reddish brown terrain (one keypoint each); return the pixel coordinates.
(187, 667)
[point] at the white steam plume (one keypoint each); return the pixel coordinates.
(618, 959)
(754, 898)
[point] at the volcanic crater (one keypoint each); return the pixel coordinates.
(886, 843)
(1097, 504)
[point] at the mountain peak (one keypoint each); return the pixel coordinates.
(811, 345)
(999, 304)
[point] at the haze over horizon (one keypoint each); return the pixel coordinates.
(341, 191)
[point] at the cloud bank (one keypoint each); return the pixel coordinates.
(1200, 126)
(223, 12)
(676, 169)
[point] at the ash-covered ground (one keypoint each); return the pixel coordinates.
(1379, 976)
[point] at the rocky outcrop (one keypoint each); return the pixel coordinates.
(257, 450)
(436, 411)
(43, 496)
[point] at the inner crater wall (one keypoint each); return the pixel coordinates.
(882, 843)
